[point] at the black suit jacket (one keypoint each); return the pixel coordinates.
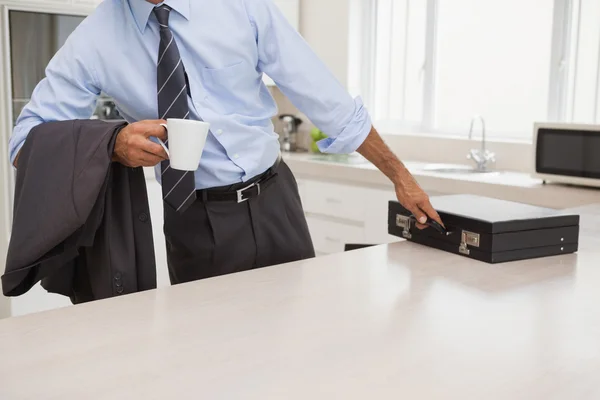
(81, 222)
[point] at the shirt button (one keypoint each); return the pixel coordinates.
(120, 290)
(220, 132)
(236, 156)
(143, 217)
(117, 276)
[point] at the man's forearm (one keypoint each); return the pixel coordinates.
(408, 190)
(377, 151)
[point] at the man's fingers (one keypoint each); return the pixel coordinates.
(154, 121)
(430, 211)
(418, 213)
(140, 158)
(422, 212)
(152, 148)
(155, 129)
(162, 134)
(149, 160)
(126, 163)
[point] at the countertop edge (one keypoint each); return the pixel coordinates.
(552, 196)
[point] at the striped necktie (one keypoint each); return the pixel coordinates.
(179, 190)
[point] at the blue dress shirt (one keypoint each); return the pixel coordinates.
(226, 46)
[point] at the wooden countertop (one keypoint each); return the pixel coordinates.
(391, 322)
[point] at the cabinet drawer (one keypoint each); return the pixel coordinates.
(331, 237)
(335, 200)
(376, 222)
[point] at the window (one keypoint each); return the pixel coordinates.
(582, 101)
(432, 65)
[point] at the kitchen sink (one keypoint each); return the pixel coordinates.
(455, 169)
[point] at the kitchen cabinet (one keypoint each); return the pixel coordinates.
(342, 213)
(336, 200)
(329, 236)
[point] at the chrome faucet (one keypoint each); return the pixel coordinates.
(482, 157)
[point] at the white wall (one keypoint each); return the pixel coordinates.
(4, 302)
(4, 175)
(324, 24)
(4, 222)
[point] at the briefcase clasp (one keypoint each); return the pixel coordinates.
(405, 223)
(468, 239)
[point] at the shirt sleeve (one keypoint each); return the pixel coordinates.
(69, 91)
(287, 59)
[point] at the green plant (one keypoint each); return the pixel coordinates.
(316, 135)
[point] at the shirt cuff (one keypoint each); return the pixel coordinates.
(352, 136)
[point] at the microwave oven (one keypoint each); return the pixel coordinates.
(567, 153)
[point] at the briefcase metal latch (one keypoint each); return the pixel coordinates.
(468, 239)
(405, 223)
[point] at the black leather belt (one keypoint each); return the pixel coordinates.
(241, 192)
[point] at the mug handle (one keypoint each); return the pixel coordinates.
(164, 146)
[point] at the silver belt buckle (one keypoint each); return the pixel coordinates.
(240, 192)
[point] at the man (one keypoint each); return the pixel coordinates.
(204, 60)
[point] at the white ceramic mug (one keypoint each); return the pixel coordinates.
(186, 140)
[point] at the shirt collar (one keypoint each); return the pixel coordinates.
(141, 10)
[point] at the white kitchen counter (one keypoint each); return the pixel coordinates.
(397, 321)
(512, 186)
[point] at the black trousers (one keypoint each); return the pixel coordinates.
(215, 238)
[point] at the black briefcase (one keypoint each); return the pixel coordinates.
(490, 230)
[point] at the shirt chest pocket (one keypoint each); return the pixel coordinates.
(234, 89)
